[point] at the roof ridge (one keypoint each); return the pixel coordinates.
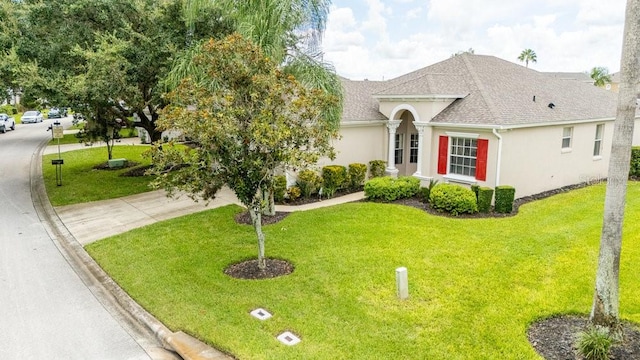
(480, 85)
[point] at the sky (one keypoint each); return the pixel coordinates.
(383, 39)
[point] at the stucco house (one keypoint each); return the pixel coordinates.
(475, 119)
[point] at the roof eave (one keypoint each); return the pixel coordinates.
(429, 97)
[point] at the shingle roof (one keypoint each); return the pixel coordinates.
(359, 104)
(499, 93)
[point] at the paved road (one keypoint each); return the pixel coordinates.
(47, 312)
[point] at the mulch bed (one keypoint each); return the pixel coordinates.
(245, 218)
(249, 269)
(555, 338)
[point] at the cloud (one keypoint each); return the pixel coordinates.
(414, 13)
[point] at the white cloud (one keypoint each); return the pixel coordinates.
(387, 38)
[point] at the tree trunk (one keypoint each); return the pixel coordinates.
(269, 208)
(256, 219)
(605, 307)
(150, 125)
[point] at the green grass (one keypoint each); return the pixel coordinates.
(475, 284)
(82, 183)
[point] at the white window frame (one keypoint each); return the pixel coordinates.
(413, 150)
(398, 152)
(597, 143)
(567, 139)
(461, 154)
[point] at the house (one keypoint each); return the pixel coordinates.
(474, 119)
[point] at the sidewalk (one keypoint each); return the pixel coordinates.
(89, 222)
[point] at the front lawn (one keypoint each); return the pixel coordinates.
(475, 284)
(81, 182)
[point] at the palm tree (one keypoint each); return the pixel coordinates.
(606, 295)
(600, 76)
(288, 31)
(528, 55)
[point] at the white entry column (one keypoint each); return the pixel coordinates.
(420, 127)
(392, 125)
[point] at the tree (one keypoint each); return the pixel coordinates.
(600, 76)
(144, 36)
(248, 120)
(528, 55)
(289, 32)
(460, 52)
(606, 295)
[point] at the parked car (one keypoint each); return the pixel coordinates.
(32, 116)
(55, 113)
(6, 123)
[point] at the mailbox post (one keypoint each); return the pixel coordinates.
(58, 133)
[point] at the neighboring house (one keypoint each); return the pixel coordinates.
(475, 119)
(614, 85)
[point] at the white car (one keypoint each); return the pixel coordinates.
(6, 123)
(32, 116)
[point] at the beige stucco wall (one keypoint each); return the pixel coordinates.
(360, 144)
(533, 160)
(636, 133)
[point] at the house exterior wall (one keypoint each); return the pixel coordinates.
(533, 160)
(360, 144)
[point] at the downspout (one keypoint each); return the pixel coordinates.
(498, 165)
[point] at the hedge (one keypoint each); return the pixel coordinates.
(634, 170)
(279, 188)
(485, 195)
(453, 199)
(357, 173)
(334, 178)
(390, 189)
(505, 195)
(377, 168)
(309, 183)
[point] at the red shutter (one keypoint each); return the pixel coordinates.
(443, 153)
(481, 160)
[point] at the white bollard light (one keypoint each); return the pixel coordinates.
(402, 283)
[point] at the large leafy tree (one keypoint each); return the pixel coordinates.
(9, 64)
(528, 55)
(70, 41)
(605, 310)
(248, 120)
(289, 32)
(600, 76)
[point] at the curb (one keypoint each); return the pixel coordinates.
(155, 338)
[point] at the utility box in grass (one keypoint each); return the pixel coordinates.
(117, 163)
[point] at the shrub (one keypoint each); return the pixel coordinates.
(334, 177)
(484, 196)
(279, 188)
(377, 168)
(504, 199)
(293, 193)
(635, 162)
(595, 343)
(309, 182)
(453, 199)
(357, 173)
(390, 189)
(8, 109)
(475, 188)
(424, 192)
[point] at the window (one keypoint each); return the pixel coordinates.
(399, 147)
(566, 137)
(463, 156)
(462, 159)
(413, 149)
(597, 144)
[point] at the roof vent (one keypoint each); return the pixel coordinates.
(534, 98)
(551, 105)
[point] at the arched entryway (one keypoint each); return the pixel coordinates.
(405, 142)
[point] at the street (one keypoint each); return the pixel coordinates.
(47, 310)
